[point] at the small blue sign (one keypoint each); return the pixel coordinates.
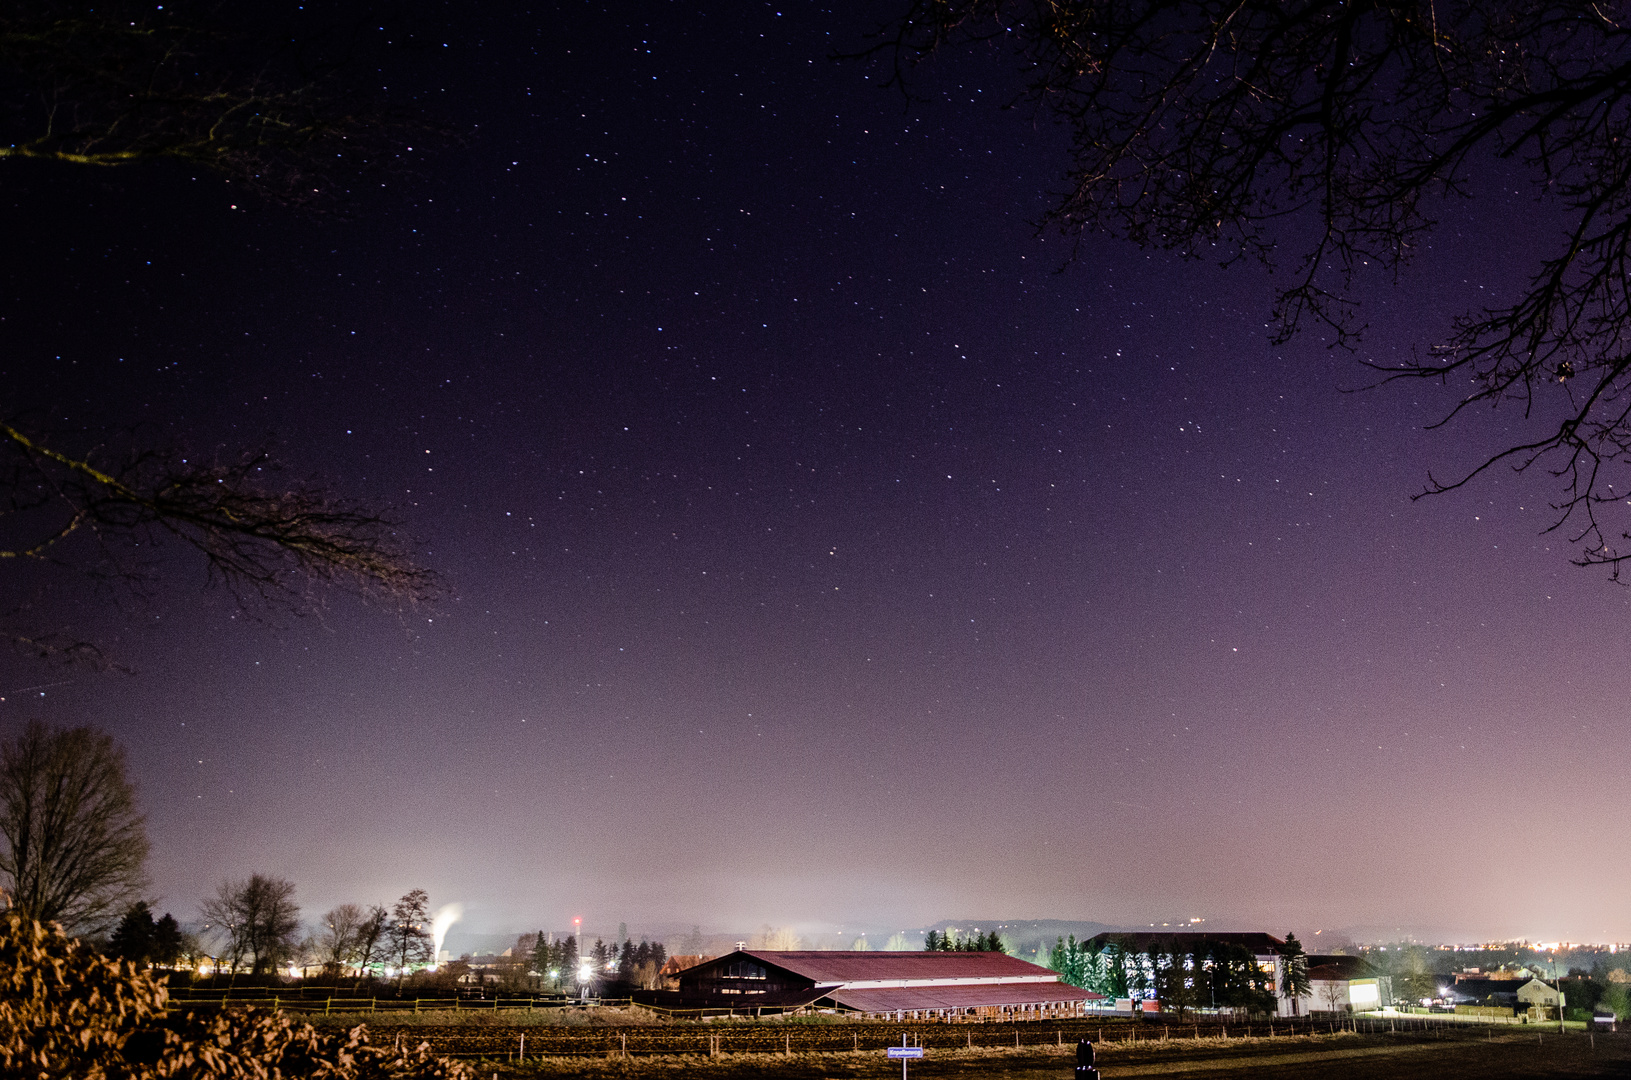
(896, 1052)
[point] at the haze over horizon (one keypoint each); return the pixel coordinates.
(825, 550)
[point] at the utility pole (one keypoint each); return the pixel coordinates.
(1559, 986)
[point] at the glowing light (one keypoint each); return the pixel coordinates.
(445, 917)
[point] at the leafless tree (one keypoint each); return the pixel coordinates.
(1335, 993)
(340, 938)
(1230, 128)
(256, 921)
(75, 845)
(409, 932)
(371, 943)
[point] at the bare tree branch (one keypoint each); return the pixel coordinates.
(267, 543)
(118, 84)
(1223, 128)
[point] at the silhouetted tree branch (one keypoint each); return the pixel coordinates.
(267, 542)
(118, 84)
(1228, 128)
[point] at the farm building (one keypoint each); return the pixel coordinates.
(1347, 984)
(896, 985)
(1522, 996)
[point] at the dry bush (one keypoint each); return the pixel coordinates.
(66, 1011)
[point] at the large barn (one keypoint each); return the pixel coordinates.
(896, 985)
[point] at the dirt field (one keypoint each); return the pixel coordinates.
(1445, 1056)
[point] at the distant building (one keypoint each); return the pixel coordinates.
(1498, 974)
(895, 985)
(1347, 984)
(1520, 995)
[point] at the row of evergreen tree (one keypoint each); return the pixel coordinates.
(1205, 974)
(952, 941)
(143, 940)
(632, 963)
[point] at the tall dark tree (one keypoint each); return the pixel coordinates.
(371, 944)
(256, 920)
(543, 958)
(1118, 979)
(1333, 136)
(931, 941)
(337, 937)
(569, 961)
(409, 932)
(168, 941)
(75, 846)
(1294, 981)
(133, 938)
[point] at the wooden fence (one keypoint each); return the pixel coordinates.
(511, 1042)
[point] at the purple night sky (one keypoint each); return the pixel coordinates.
(822, 556)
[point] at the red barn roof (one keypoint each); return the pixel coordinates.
(910, 998)
(851, 967)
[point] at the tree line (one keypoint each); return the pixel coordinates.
(952, 941)
(1204, 974)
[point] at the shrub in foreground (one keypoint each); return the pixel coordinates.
(66, 1011)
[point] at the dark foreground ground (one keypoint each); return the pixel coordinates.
(1438, 1056)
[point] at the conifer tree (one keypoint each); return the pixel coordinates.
(167, 941)
(1294, 982)
(569, 959)
(133, 939)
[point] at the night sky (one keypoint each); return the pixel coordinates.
(824, 550)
